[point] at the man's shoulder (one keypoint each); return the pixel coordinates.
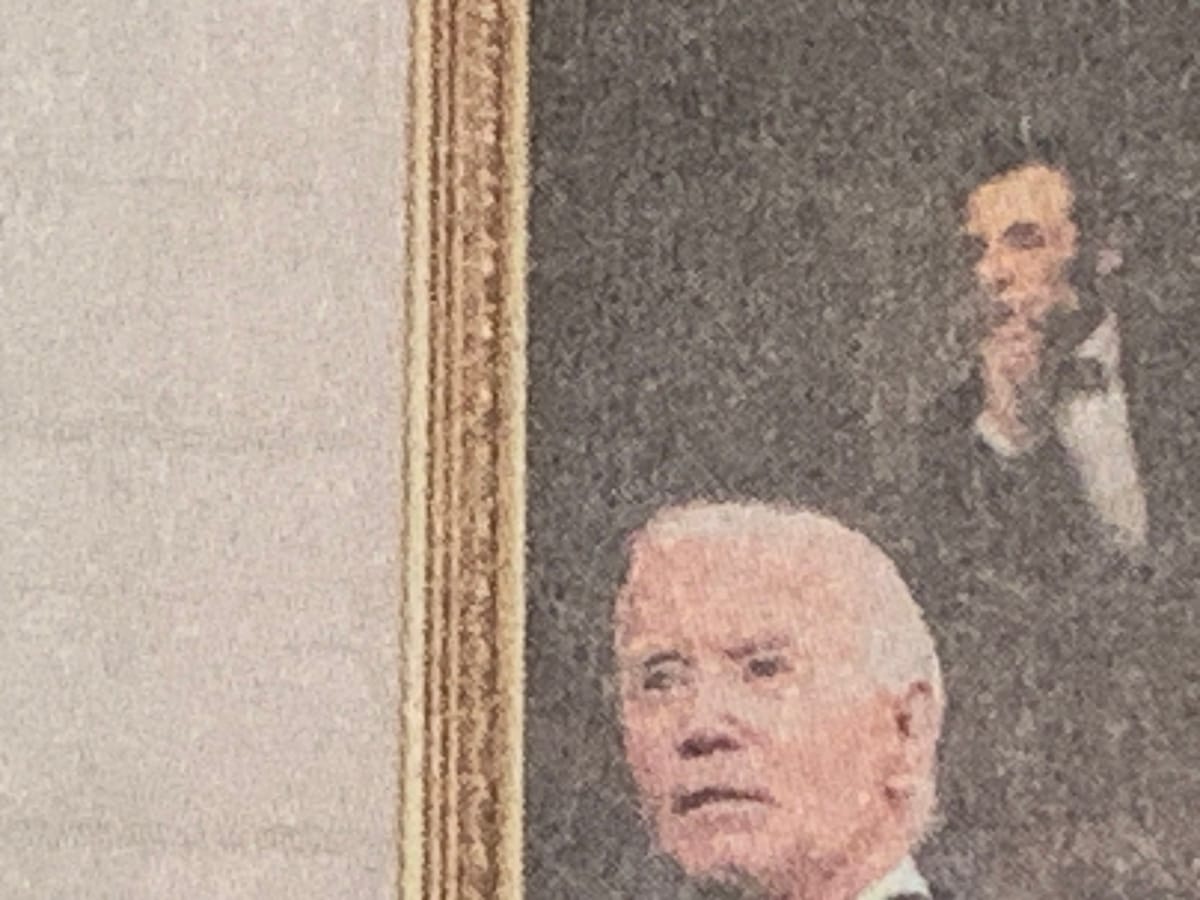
(946, 438)
(956, 404)
(947, 421)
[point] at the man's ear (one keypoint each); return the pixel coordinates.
(916, 718)
(916, 713)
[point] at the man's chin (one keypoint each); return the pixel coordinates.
(741, 857)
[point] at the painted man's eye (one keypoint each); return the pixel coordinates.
(766, 666)
(1024, 236)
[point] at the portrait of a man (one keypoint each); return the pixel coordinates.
(1023, 220)
(1039, 439)
(1051, 552)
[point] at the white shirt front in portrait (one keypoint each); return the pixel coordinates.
(1093, 427)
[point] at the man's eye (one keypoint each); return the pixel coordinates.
(659, 680)
(1024, 236)
(766, 666)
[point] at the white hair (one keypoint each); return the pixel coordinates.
(899, 648)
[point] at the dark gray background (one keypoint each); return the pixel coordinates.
(746, 280)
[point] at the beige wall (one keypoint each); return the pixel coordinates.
(199, 409)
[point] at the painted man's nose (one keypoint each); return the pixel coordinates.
(1001, 283)
(995, 277)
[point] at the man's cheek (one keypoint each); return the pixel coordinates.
(647, 761)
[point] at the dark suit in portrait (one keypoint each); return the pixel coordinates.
(1052, 557)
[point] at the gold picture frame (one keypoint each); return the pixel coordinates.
(462, 599)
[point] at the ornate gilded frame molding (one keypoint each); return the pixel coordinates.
(462, 600)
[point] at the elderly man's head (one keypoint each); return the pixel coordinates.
(780, 697)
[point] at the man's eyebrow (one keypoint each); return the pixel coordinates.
(758, 645)
(664, 656)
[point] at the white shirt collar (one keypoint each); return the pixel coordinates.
(904, 879)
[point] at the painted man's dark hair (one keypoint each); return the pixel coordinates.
(1099, 201)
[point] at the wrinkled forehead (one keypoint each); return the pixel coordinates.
(703, 588)
(1033, 193)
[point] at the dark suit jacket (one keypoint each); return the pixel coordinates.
(1069, 753)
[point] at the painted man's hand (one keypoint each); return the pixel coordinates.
(1011, 356)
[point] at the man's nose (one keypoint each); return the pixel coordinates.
(994, 273)
(713, 724)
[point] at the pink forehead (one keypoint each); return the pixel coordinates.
(755, 574)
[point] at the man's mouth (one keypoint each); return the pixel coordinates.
(693, 800)
(1030, 304)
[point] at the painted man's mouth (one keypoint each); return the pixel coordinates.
(693, 800)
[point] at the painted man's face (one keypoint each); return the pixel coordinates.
(1022, 219)
(757, 742)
